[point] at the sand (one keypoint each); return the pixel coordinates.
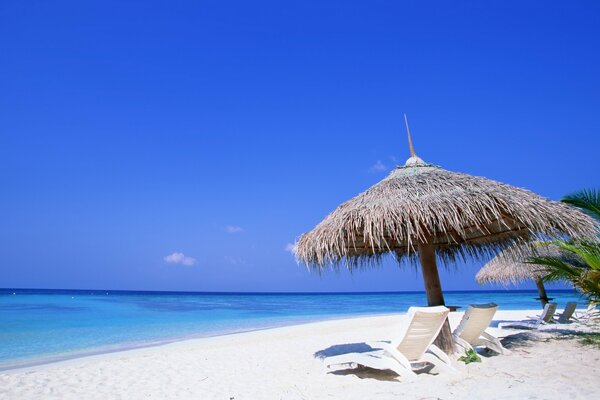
(285, 363)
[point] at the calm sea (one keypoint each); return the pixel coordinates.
(38, 326)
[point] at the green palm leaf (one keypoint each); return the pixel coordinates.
(579, 263)
(588, 200)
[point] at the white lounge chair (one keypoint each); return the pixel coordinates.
(591, 313)
(413, 345)
(544, 318)
(470, 332)
(565, 316)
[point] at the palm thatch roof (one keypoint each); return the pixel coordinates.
(505, 267)
(462, 215)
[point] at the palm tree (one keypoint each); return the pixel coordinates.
(579, 261)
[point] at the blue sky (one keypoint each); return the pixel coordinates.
(132, 131)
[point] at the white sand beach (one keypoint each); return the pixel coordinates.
(285, 363)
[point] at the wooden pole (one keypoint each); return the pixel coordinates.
(410, 143)
(435, 297)
(541, 291)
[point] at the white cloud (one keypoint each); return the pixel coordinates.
(378, 167)
(180, 258)
(289, 247)
(234, 229)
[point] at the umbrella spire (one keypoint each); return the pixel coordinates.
(414, 159)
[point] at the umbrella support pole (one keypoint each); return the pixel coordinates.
(435, 296)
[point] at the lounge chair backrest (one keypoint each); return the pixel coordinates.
(548, 313)
(592, 311)
(475, 321)
(567, 312)
(424, 324)
(591, 308)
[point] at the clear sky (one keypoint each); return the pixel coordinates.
(166, 145)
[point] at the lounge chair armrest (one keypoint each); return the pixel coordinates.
(493, 343)
(461, 342)
(488, 336)
(439, 354)
(393, 352)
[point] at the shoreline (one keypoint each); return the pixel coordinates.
(26, 365)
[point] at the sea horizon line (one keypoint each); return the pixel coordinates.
(138, 291)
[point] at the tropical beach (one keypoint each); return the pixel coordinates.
(287, 363)
(299, 200)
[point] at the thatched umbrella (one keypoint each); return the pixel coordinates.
(421, 210)
(510, 268)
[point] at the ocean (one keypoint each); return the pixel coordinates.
(40, 326)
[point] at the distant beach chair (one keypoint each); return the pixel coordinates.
(565, 316)
(470, 332)
(591, 313)
(413, 345)
(546, 317)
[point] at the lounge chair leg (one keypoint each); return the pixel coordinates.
(462, 345)
(494, 344)
(437, 362)
(440, 354)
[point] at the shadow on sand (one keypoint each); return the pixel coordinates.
(346, 348)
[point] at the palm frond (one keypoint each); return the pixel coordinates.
(557, 268)
(588, 200)
(578, 263)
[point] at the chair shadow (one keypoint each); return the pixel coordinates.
(521, 339)
(385, 375)
(558, 331)
(339, 349)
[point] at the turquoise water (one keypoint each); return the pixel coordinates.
(40, 326)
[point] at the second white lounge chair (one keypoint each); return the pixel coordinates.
(470, 332)
(544, 318)
(413, 345)
(565, 316)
